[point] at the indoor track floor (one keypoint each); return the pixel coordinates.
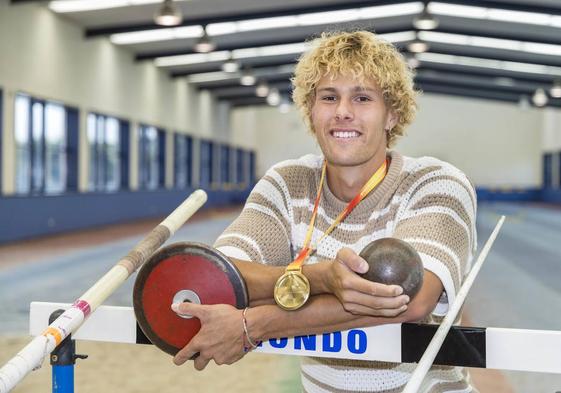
(519, 286)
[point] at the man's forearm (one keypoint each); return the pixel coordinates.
(260, 279)
(322, 313)
(325, 313)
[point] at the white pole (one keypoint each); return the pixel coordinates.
(430, 353)
(32, 355)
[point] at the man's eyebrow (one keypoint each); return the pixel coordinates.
(355, 88)
(363, 88)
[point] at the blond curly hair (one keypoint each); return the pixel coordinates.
(363, 55)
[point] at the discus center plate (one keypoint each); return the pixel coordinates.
(186, 295)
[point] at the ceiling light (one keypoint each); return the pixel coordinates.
(417, 46)
(137, 37)
(193, 58)
(412, 61)
(168, 14)
(63, 6)
(247, 78)
(555, 90)
(425, 21)
(262, 89)
(495, 14)
(539, 98)
(496, 43)
(492, 64)
(465, 11)
(205, 44)
(274, 97)
(386, 11)
(230, 66)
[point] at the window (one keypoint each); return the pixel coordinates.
(106, 151)
(241, 172)
(151, 158)
(559, 169)
(251, 167)
(1, 137)
(183, 160)
(46, 146)
(225, 165)
(547, 170)
(206, 160)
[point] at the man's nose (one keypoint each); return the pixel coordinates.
(344, 110)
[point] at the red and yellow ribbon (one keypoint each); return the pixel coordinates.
(306, 251)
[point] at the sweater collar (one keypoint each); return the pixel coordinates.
(376, 196)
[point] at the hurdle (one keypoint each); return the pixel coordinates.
(478, 347)
(464, 346)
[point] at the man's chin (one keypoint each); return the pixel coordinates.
(346, 162)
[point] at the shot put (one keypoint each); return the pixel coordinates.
(394, 262)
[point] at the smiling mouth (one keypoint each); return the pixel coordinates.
(345, 134)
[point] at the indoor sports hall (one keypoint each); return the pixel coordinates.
(114, 112)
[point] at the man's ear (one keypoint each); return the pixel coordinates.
(391, 120)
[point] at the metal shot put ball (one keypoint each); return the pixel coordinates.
(393, 261)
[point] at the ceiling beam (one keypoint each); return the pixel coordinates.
(398, 27)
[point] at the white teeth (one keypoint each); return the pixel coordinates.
(345, 134)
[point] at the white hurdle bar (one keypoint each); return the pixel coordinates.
(494, 348)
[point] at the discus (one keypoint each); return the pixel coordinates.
(183, 272)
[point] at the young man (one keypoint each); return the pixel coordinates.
(356, 95)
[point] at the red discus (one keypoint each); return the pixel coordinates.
(183, 272)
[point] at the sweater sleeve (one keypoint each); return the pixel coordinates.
(439, 222)
(261, 233)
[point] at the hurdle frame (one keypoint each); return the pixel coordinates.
(480, 347)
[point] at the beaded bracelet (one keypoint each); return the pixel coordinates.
(248, 338)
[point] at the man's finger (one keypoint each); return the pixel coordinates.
(187, 309)
(186, 353)
(359, 284)
(359, 309)
(201, 363)
(379, 289)
(350, 259)
(376, 302)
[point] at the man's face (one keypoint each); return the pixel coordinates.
(349, 119)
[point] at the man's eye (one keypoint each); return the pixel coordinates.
(363, 99)
(328, 98)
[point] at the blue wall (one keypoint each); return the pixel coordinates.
(550, 195)
(28, 217)
(25, 217)
(508, 195)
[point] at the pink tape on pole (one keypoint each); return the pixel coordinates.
(83, 306)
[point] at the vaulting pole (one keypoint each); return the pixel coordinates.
(432, 350)
(32, 355)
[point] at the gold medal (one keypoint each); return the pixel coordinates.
(292, 290)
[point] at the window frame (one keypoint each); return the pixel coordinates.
(37, 150)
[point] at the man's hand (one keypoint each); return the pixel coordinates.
(358, 295)
(220, 337)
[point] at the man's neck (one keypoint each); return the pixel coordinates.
(346, 182)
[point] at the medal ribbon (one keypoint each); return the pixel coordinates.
(306, 251)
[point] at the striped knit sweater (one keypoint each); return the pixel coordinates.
(424, 201)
